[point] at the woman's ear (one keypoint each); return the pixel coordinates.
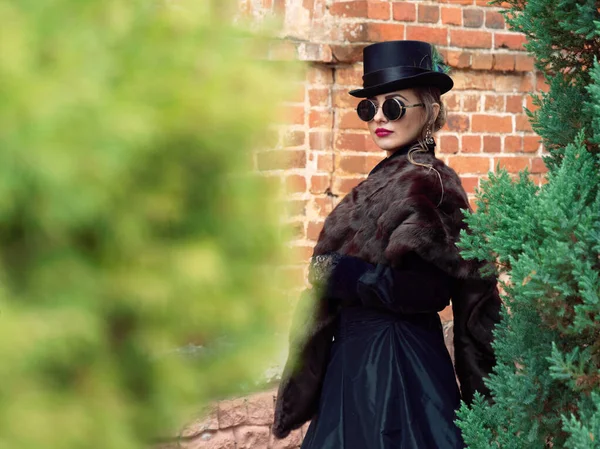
(436, 111)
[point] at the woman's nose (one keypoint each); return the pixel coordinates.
(379, 115)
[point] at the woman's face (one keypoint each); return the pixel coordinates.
(391, 135)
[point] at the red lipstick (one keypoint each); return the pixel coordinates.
(382, 132)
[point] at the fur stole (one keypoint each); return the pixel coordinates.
(400, 208)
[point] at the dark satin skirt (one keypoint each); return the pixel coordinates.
(389, 384)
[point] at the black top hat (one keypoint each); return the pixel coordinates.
(397, 65)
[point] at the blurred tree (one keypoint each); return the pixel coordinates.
(546, 240)
(129, 223)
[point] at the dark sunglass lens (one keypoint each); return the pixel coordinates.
(366, 110)
(393, 108)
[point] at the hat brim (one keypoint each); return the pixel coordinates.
(435, 79)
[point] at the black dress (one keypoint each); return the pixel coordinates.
(390, 383)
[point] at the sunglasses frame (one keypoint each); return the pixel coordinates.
(400, 103)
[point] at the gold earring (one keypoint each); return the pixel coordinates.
(428, 138)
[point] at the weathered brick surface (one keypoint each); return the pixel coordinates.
(324, 149)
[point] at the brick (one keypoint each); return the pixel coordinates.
(494, 103)
(279, 7)
(538, 166)
(469, 164)
(471, 144)
(509, 41)
(351, 142)
(301, 253)
(471, 103)
(292, 441)
(223, 439)
(522, 123)
(320, 75)
(320, 119)
(378, 10)
(473, 80)
(314, 230)
(469, 183)
(370, 145)
(531, 144)
(524, 63)
(459, 59)
(260, 409)
(357, 164)
(513, 144)
(295, 184)
(472, 203)
(492, 144)
(208, 422)
(322, 206)
(446, 314)
(349, 9)
(451, 16)
(429, 13)
(319, 140)
(451, 101)
(350, 53)
(377, 32)
(318, 97)
(294, 138)
(344, 185)
(437, 36)
(325, 162)
(457, 2)
(348, 119)
(349, 76)
(512, 164)
(313, 52)
(293, 115)
(341, 99)
(298, 94)
(232, 413)
(494, 20)
(504, 62)
(404, 12)
(491, 123)
(319, 183)
(350, 32)
(471, 39)
(252, 437)
(472, 18)
(482, 61)
(457, 122)
(514, 103)
(281, 159)
(514, 83)
(448, 144)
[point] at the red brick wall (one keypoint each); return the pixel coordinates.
(329, 150)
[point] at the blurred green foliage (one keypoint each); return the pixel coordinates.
(130, 226)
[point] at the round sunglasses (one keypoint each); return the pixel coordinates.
(393, 109)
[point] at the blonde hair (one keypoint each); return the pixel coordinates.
(429, 96)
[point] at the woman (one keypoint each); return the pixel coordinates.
(369, 365)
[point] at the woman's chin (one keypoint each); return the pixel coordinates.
(387, 144)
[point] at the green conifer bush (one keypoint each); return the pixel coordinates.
(546, 244)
